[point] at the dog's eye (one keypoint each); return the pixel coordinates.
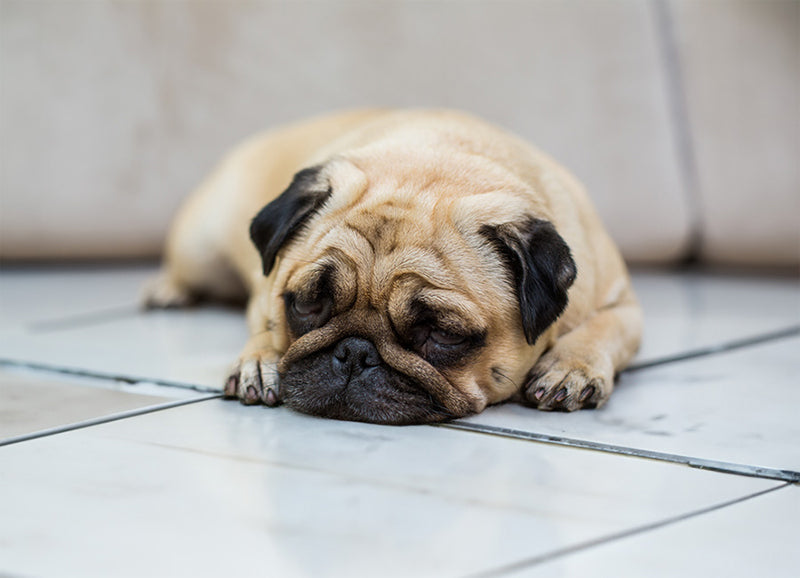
(306, 314)
(443, 347)
(436, 345)
(307, 308)
(441, 337)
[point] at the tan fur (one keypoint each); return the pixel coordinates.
(411, 190)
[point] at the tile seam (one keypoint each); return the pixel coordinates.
(104, 419)
(693, 462)
(725, 467)
(759, 339)
(733, 345)
(129, 379)
(569, 550)
(84, 319)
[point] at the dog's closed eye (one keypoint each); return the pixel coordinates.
(305, 313)
(441, 347)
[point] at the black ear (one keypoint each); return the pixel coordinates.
(281, 219)
(542, 269)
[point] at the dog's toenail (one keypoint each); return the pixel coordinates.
(539, 394)
(562, 394)
(230, 387)
(271, 398)
(587, 392)
(252, 395)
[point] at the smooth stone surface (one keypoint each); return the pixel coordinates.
(193, 347)
(89, 320)
(739, 406)
(685, 311)
(41, 299)
(217, 488)
(753, 538)
(31, 402)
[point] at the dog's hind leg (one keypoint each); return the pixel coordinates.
(195, 265)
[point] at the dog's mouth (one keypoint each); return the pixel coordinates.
(350, 381)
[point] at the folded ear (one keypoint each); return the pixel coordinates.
(282, 219)
(542, 268)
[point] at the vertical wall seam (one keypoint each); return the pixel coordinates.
(681, 124)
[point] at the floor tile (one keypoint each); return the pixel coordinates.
(739, 407)
(754, 538)
(31, 402)
(685, 310)
(218, 488)
(48, 298)
(195, 347)
(89, 320)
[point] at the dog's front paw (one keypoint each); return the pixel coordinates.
(568, 382)
(254, 380)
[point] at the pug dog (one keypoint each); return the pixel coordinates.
(405, 267)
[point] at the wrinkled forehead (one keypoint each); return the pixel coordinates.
(350, 263)
(398, 219)
(427, 187)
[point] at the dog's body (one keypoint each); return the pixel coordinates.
(420, 266)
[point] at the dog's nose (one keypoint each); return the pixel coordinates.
(353, 355)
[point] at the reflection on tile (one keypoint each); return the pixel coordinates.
(195, 346)
(218, 488)
(89, 320)
(684, 311)
(754, 538)
(736, 407)
(30, 403)
(33, 297)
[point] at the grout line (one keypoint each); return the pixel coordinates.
(725, 467)
(721, 348)
(681, 123)
(105, 315)
(556, 554)
(703, 352)
(103, 375)
(85, 319)
(105, 419)
(699, 463)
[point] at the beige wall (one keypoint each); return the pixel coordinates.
(742, 77)
(111, 111)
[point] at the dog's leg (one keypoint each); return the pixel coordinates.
(165, 292)
(196, 265)
(254, 377)
(192, 281)
(578, 371)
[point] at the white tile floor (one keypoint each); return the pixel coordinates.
(125, 467)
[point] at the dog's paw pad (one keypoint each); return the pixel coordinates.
(565, 387)
(254, 381)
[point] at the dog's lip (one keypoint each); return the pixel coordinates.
(445, 394)
(415, 405)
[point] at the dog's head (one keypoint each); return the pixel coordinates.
(407, 289)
